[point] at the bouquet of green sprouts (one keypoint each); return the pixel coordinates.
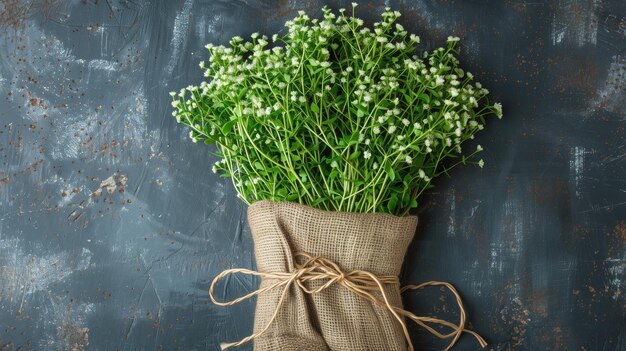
(334, 115)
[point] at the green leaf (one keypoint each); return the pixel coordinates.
(242, 93)
(393, 203)
(360, 112)
(228, 126)
(315, 108)
(354, 155)
(389, 170)
(258, 165)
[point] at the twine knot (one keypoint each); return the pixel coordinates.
(361, 283)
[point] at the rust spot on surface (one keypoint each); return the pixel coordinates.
(620, 232)
(74, 338)
(13, 13)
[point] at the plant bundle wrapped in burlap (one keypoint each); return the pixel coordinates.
(342, 127)
(330, 280)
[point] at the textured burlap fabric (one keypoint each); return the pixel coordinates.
(335, 318)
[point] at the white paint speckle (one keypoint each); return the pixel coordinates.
(179, 35)
(577, 167)
(612, 94)
(102, 65)
(575, 23)
(616, 274)
(451, 203)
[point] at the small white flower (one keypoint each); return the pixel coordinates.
(193, 138)
(453, 39)
(375, 165)
(254, 35)
(415, 38)
(367, 141)
(406, 122)
(479, 148)
(354, 4)
(334, 164)
(268, 110)
(481, 163)
(408, 159)
(454, 92)
(376, 130)
(498, 107)
(367, 155)
(392, 128)
(421, 173)
(417, 125)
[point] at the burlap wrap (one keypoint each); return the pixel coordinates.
(336, 318)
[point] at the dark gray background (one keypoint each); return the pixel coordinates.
(112, 224)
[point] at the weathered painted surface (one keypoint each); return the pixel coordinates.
(112, 225)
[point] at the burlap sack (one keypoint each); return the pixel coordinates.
(336, 318)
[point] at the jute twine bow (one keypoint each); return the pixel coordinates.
(361, 283)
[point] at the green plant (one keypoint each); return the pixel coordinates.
(335, 115)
